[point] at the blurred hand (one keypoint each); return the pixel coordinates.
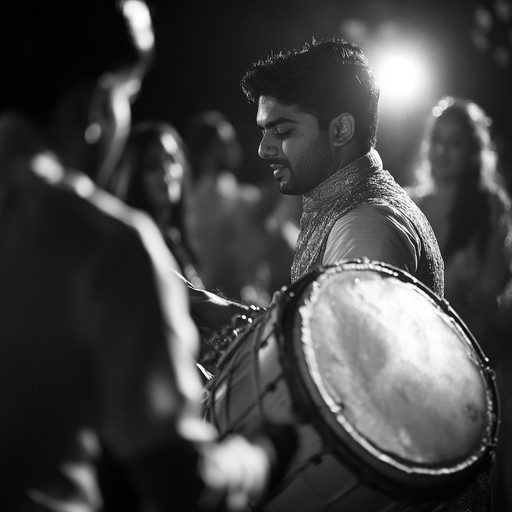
(237, 470)
(241, 471)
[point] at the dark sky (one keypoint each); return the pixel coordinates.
(203, 48)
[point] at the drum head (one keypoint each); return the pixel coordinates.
(393, 372)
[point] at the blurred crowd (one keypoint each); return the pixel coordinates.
(229, 236)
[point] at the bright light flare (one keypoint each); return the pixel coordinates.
(404, 76)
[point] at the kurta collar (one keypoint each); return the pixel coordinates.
(343, 180)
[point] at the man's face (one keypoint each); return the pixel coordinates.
(294, 146)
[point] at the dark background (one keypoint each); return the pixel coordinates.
(203, 49)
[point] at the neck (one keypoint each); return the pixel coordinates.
(344, 181)
(348, 153)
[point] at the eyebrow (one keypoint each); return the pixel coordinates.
(275, 122)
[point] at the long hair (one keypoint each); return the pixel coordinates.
(482, 178)
(128, 181)
(128, 184)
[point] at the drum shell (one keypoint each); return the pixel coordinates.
(266, 368)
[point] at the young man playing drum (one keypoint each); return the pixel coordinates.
(317, 111)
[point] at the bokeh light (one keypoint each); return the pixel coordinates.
(404, 75)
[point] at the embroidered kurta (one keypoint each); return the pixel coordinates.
(364, 190)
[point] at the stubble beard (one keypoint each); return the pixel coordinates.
(311, 169)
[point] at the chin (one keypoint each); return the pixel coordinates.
(284, 189)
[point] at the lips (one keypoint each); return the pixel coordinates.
(276, 165)
(278, 170)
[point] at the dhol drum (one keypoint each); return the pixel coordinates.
(395, 404)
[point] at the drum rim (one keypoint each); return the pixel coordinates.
(358, 448)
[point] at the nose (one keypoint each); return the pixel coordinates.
(267, 147)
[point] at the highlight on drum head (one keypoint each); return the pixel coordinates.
(393, 373)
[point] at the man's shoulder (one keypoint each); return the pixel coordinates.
(84, 206)
(371, 214)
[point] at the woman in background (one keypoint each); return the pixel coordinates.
(463, 194)
(154, 176)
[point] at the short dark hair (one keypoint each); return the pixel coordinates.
(48, 46)
(324, 78)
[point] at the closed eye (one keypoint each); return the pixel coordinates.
(283, 135)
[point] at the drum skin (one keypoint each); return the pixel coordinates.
(395, 403)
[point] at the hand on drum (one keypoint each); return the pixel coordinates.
(238, 470)
(211, 311)
(246, 470)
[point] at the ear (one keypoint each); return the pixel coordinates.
(342, 129)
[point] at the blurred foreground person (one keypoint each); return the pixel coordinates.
(97, 341)
(154, 176)
(462, 192)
